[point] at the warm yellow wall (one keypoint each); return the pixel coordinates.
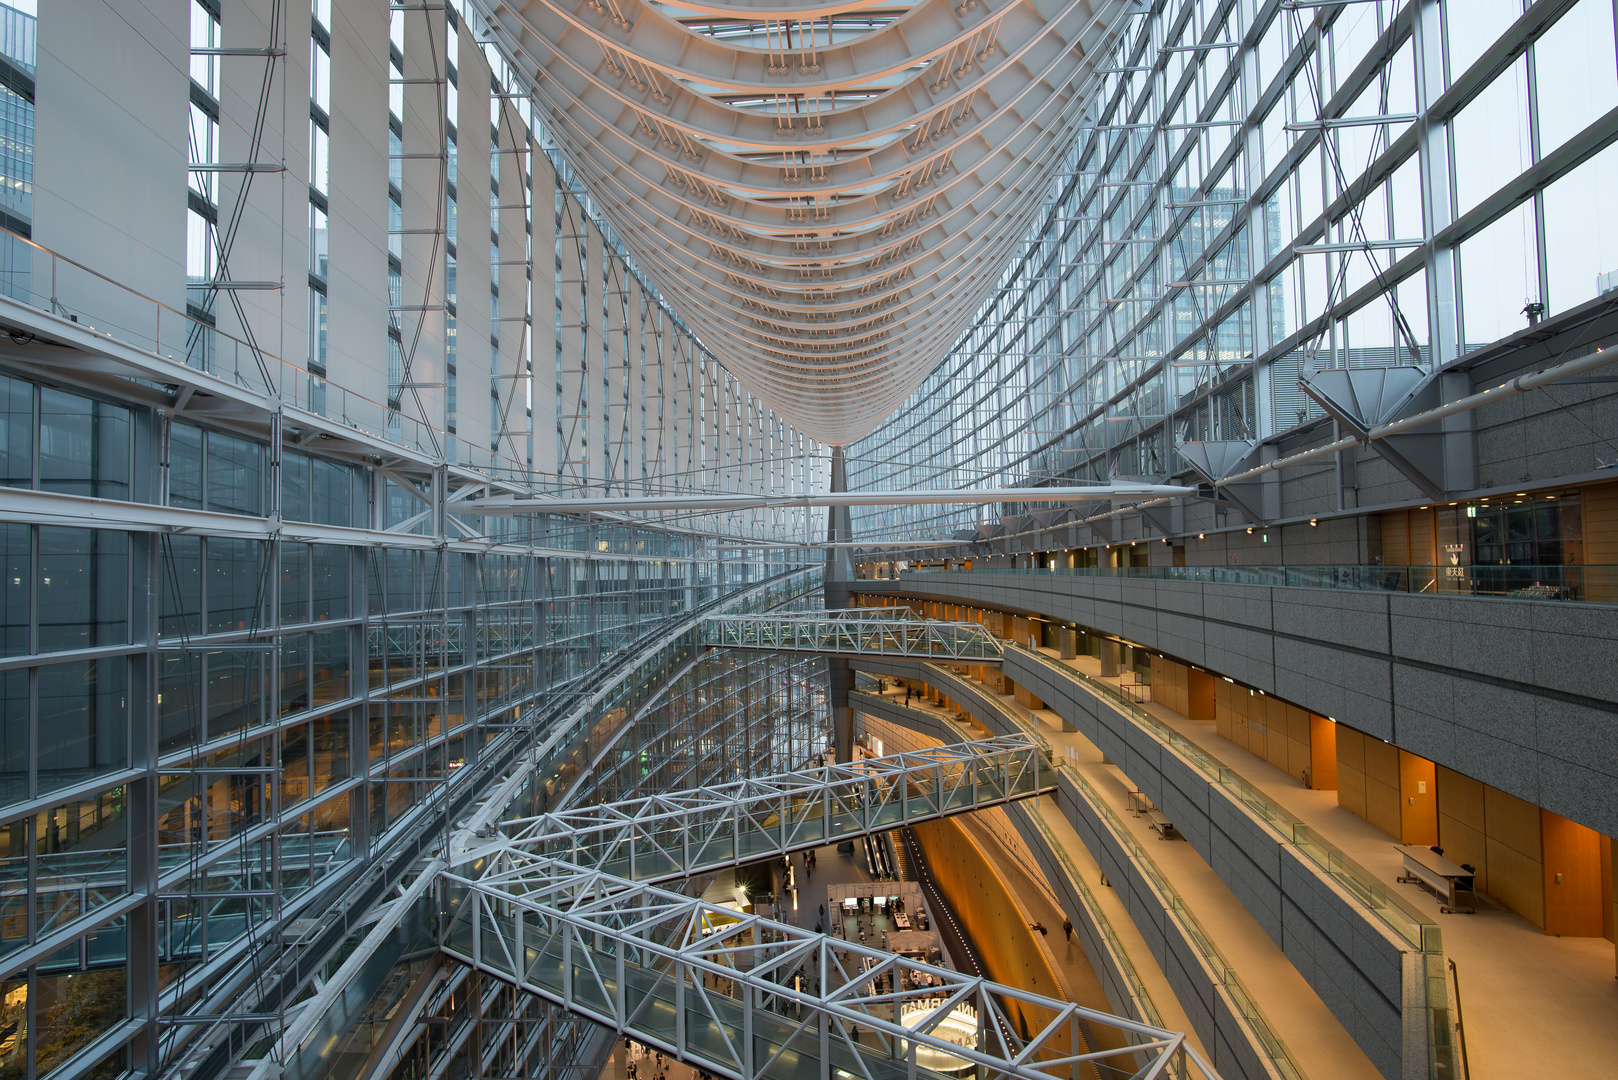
(1383, 784)
(1409, 538)
(1462, 823)
(1573, 879)
(1026, 699)
(1418, 809)
(1169, 681)
(1382, 800)
(1600, 507)
(1351, 770)
(995, 925)
(1501, 836)
(1515, 855)
(1200, 695)
(1322, 753)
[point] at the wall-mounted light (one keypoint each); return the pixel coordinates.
(1250, 530)
(1313, 522)
(1202, 536)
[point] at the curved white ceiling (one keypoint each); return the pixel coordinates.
(826, 192)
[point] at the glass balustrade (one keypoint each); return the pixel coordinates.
(1590, 584)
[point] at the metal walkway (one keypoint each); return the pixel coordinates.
(892, 632)
(562, 906)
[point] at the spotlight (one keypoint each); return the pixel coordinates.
(1313, 522)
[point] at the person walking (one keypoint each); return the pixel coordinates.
(1067, 929)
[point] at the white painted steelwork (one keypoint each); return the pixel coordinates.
(826, 193)
(665, 837)
(859, 633)
(560, 906)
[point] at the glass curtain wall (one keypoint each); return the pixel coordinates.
(273, 669)
(1262, 189)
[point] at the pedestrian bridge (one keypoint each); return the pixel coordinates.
(890, 632)
(565, 906)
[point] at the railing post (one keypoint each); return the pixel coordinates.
(748, 996)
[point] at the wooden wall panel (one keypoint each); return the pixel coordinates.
(1396, 538)
(1382, 800)
(991, 918)
(1423, 538)
(1461, 823)
(1322, 753)
(1515, 854)
(1608, 923)
(1200, 695)
(1600, 506)
(1572, 876)
(1418, 804)
(1351, 770)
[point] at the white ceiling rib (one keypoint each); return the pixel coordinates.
(826, 192)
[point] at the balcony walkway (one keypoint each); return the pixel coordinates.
(1534, 1005)
(1316, 1042)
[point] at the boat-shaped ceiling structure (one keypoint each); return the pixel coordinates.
(826, 192)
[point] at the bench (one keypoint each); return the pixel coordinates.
(1162, 825)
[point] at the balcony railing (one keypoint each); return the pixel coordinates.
(1590, 584)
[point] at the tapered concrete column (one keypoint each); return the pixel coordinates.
(1110, 651)
(839, 572)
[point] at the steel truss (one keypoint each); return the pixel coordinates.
(667, 837)
(547, 908)
(724, 990)
(863, 632)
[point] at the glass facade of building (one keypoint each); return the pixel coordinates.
(1266, 189)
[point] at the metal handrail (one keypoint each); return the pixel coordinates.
(1174, 904)
(1567, 583)
(1389, 908)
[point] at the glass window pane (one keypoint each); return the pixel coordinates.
(83, 588)
(72, 1010)
(1499, 275)
(235, 568)
(330, 746)
(83, 446)
(179, 700)
(331, 667)
(83, 721)
(14, 755)
(295, 487)
(294, 673)
(330, 579)
(235, 694)
(14, 589)
(179, 586)
(294, 583)
(330, 500)
(66, 442)
(185, 466)
(1575, 76)
(16, 433)
(235, 475)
